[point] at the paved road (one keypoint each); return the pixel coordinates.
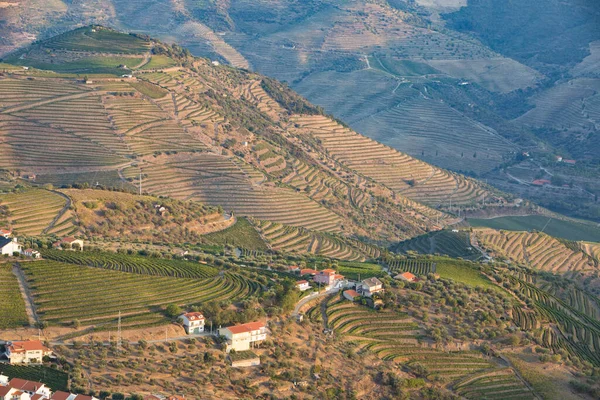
(310, 297)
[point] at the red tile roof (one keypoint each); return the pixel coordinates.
(408, 275)
(83, 397)
(327, 271)
(37, 397)
(351, 292)
(193, 316)
(338, 277)
(4, 391)
(5, 231)
(540, 182)
(69, 239)
(60, 395)
(301, 282)
(308, 271)
(27, 345)
(249, 327)
(22, 384)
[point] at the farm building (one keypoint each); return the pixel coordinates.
(32, 390)
(243, 337)
(292, 268)
(327, 277)
(406, 276)
(351, 294)
(58, 395)
(26, 352)
(5, 233)
(9, 246)
(69, 243)
(302, 285)
(193, 322)
(308, 271)
(371, 286)
(32, 253)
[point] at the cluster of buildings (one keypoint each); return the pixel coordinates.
(9, 245)
(21, 389)
(25, 352)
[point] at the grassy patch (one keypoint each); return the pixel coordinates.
(159, 61)
(401, 67)
(98, 39)
(541, 383)
(569, 230)
(88, 65)
(12, 311)
(352, 270)
(242, 234)
(56, 380)
(149, 89)
(462, 271)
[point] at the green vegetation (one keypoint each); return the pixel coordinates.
(159, 61)
(401, 67)
(289, 100)
(12, 311)
(54, 379)
(566, 229)
(133, 264)
(98, 39)
(464, 272)
(149, 89)
(88, 65)
(353, 270)
(241, 234)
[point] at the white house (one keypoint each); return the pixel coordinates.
(302, 285)
(371, 286)
(26, 352)
(33, 390)
(9, 246)
(406, 276)
(5, 233)
(8, 393)
(31, 253)
(59, 395)
(242, 337)
(193, 322)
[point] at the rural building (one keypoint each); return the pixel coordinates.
(308, 271)
(302, 285)
(9, 246)
(540, 182)
(69, 243)
(243, 337)
(571, 162)
(327, 277)
(31, 253)
(406, 276)
(351, 294)
(6, 233)
(371, 286)
(70, 396)
(26, 352)
(33, 390)
(193, 322)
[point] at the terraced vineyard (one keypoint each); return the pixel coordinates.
(405, 175)
(445, 242)
(12, 312)
(414, 266)
(500, 384)
(133, 264)
(393, 337)
(96, 296)
(33, 210)
(298, 240)
(537, 250)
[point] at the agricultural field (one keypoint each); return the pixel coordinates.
(12, 312)
(538, 251)
(501, 384)
(98, 295)
(37, 211)
(360, 270)
(566, 229)
(416, 266)
(53, 378)
(445, 242)
(242, 234)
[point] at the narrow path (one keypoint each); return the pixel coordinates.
(518, 375)
(145, 61)
(60, 213)
(26, 293)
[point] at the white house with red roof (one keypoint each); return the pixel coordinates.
(6, 233)
(59, 395)
(193, 322)
(26, 352)
(302, 285)
(31, 253)
(243, 337)
(9, 245)
(33, 390)
(327, 277)
(351, 294)
(406, 276)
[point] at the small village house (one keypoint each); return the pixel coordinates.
(34, 390)
(371, 286)
(351, 295)
(69, 243)
(26, 352)
(6, 233)
(308, 271)
(31, 253)
(327, 277)
(9, 246)
(243, 337)
(302, 285)
(193, 322)
(406, 276)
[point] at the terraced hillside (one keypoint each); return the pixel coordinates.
(539, 251)
(37, 211)
(98, 295)
(445, 242)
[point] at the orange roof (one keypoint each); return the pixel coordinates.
(4, 391)
(175, 398)
(193, 316)
(60, 395)
(327, 271)
(83, 397)
(338, 277)
(244, 328)
(301, 282)
(69, 239)
(37, 397)
(22, 384)
(28, 345)
(5, 231)
(352, 293)
(307, 271)
(408, 275)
